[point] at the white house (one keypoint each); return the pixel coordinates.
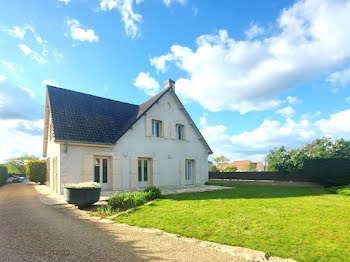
(120, 145)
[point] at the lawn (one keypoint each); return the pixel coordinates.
(307, 224)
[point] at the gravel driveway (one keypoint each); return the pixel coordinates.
(33, 231)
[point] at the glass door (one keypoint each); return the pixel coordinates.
(101, 172)
(189, 172)
(143, 172)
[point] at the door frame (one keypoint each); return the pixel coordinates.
(104, 186)
(149, 170)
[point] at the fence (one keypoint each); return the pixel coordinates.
(295, 176)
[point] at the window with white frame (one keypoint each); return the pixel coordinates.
(156, 128)
(188, 169)
(179, 130)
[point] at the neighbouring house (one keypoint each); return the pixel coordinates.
(120, 145)
(242, 165)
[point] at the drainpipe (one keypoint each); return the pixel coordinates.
(66, 146)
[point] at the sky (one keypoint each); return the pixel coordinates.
(253, 75)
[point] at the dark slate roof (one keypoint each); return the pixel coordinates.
(80, 117)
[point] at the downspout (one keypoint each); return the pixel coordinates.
(66, 146)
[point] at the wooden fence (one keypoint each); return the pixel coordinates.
(295, 176)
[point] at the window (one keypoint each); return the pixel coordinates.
(156, 128)
(144, 172)
(179, 132)
(188, 170)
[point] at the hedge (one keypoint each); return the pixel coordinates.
(328, 171)
(36, 171)
(3, 175)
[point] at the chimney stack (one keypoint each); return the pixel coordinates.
(169, 84)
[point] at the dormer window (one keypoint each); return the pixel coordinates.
(156, 128)
(179, 132)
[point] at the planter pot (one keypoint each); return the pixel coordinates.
(82, 197)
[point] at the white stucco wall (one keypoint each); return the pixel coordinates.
(168, 155)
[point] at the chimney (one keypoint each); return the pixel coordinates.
(169, 84)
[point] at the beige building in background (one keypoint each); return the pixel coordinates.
(120, 145)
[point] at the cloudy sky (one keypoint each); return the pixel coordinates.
(253, 75)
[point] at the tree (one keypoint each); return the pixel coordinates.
(16, 165)
(252, 166)
(230, 169)
(280, 159)
(221, 160)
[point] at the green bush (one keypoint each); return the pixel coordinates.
(3, 175)
(230, 169)
(341, 190)
(152, 192)
(129, 200)
(36, 171)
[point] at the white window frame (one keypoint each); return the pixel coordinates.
(188, 169)
(179, 135)
(154, 133)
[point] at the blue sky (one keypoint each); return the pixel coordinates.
(253, 75)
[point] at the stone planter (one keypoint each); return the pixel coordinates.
(81, 197)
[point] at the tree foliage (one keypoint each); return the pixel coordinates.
(280, 159)
(16, 165)
(36, 171)
(221, 160)
(230, 169)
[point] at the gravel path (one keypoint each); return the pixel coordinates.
(33, 231)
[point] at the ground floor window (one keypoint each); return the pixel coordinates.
(188, 170)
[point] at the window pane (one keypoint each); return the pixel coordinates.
(189, 170)
(153, 130)
(140, 171)
(97, 170)
(157, 129)
(145, 170)
(104, 170)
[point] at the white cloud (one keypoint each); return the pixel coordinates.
(203, 121)
(128, 16)
(64, 1)
(51, 83)
(2, 78)
(255, 144)
(32, 54)
(254, 31)
(21, 121)
(147, 83)
(17, 32)
(9, 66)
(17, 102)
(226, 74)
(347, 99)
(293, 100)
(169, 2)
(336, 125)
(79, 33)
(287, 112)
(342, 77)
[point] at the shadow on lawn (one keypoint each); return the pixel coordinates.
(251, 192)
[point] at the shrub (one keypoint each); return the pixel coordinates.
(3, 175)
(36, 171)
(341, 190)
(230, 169)
(130, 200)
(84, 185)
(152, 192)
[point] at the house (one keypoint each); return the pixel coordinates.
(120, 145)
(242, 165)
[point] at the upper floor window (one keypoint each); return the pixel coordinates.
(179, 132)
(156, 128)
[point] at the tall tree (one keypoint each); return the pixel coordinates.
(221, 160)
(16, 165)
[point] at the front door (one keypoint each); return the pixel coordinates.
(189, 172)
(101, 172)
(144, 172)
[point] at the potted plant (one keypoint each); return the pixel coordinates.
(82, 194)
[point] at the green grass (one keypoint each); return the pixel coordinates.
(307, 224)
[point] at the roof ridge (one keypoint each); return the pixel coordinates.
(69, 90)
